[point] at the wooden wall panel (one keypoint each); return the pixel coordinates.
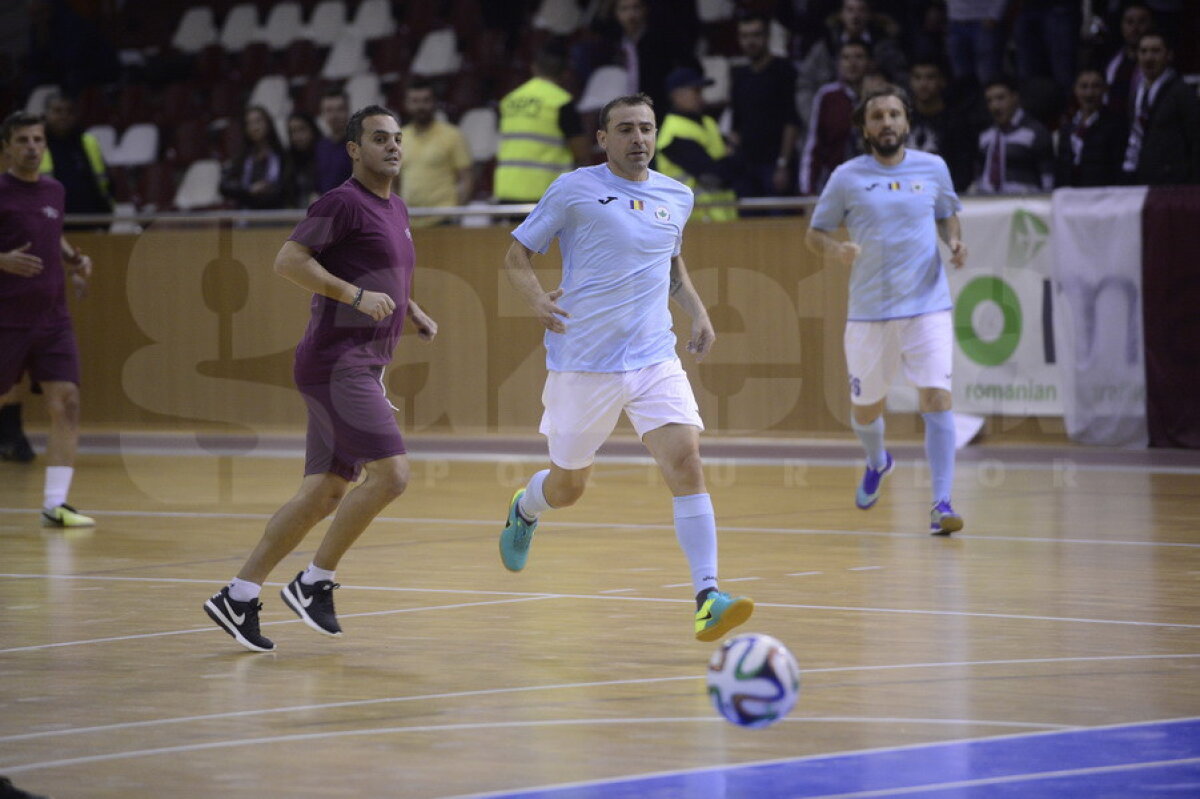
(190, 327)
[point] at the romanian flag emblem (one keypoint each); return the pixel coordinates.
(894, 186)
(637, 205)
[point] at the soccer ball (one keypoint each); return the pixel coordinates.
(753, 680)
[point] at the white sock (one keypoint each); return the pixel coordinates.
(58, 483)
(313, 575)
(243, 590)
(696, 531)
(533, 503)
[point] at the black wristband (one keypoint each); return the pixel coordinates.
(357, 298)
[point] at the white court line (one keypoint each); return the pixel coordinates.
(209, 628)
(1010, 779)
(863, 568)
(803, 574)
(883, 750)
(572, 686)
(545, 595)
(613, 525)
(483, 725)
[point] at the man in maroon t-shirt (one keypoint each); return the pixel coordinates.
(354, 252)
(35, 327)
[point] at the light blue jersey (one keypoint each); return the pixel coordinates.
(891, 213)
(617, 238)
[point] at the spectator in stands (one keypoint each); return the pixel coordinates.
(975, 41)
(437, 169)
(74, 159)
(333, 162)
(1164, 135)
(765, 126)
(1121, 74)
(541, 134)
(257, 177)
(830, 139)
(691, 149)
(934, 126)
(1091, 141)
(1046, 35)
(854, 22)
(648, 47)
(1015, 155)
(303, 135)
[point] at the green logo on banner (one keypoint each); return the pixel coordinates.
(1026, 238)
(996, 350)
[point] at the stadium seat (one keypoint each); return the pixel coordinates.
(253, 62)
(605, 83)
(138, 146)
(373, 19)
(363, 89)
(437, 54)
(155, 187)
(240, 27)
(36, 103)
(123, 219)
(271, 92)
(189, 142)
(561, 17)
(200, 186)
(347, 57)
(327, 21)
(714, 10)
(479, 127)
(301, 60)
(284, 25)
(716, 67)
(196, 30)
(390, 57)
(106, 137)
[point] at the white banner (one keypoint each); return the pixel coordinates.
(1005, 361)
(1098, 287)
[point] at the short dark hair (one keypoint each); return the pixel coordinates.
(420, 83)
(754, 16)
(1158, 33)
(551, 58)
(865, 45)
(335, 93)
(641, 98)
(354, 128)
(860, 111)
(1007, 81)
(18, 119)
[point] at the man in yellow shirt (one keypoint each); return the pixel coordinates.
(437, 169)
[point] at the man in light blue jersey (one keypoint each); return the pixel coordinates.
(609, 344)
(895, 203)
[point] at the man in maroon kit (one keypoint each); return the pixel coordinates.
(35, 328)
(354, 252)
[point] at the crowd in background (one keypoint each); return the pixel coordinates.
(1018, 96)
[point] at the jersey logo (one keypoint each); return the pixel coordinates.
(50, 211)
(662, 214)
(918, 187)
(894, 186)
(605, 200)
(637, 205)
(872, 186)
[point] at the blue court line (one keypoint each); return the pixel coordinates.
(1160, 759)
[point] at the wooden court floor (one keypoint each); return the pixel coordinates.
(1069, 601)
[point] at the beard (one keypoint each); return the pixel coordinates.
(886, 150)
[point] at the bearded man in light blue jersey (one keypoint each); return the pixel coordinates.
(896, 203)
(609, 344)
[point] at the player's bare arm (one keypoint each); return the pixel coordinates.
(296, 263)
(683, 292)
(950, 231)
(423, 322)
(518, 266)
(79, 266)
(20, 262)
(824, 244)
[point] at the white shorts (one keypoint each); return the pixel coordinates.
(923, 344)
(582, 408)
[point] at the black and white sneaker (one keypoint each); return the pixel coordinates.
(239, 619)
(313, 604)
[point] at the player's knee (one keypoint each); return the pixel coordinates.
(392, 479)
(64, 406)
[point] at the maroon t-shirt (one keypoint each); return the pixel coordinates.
(32, 212)
(365, 240)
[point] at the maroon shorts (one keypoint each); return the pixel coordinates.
(47, 352)
(350, 422)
